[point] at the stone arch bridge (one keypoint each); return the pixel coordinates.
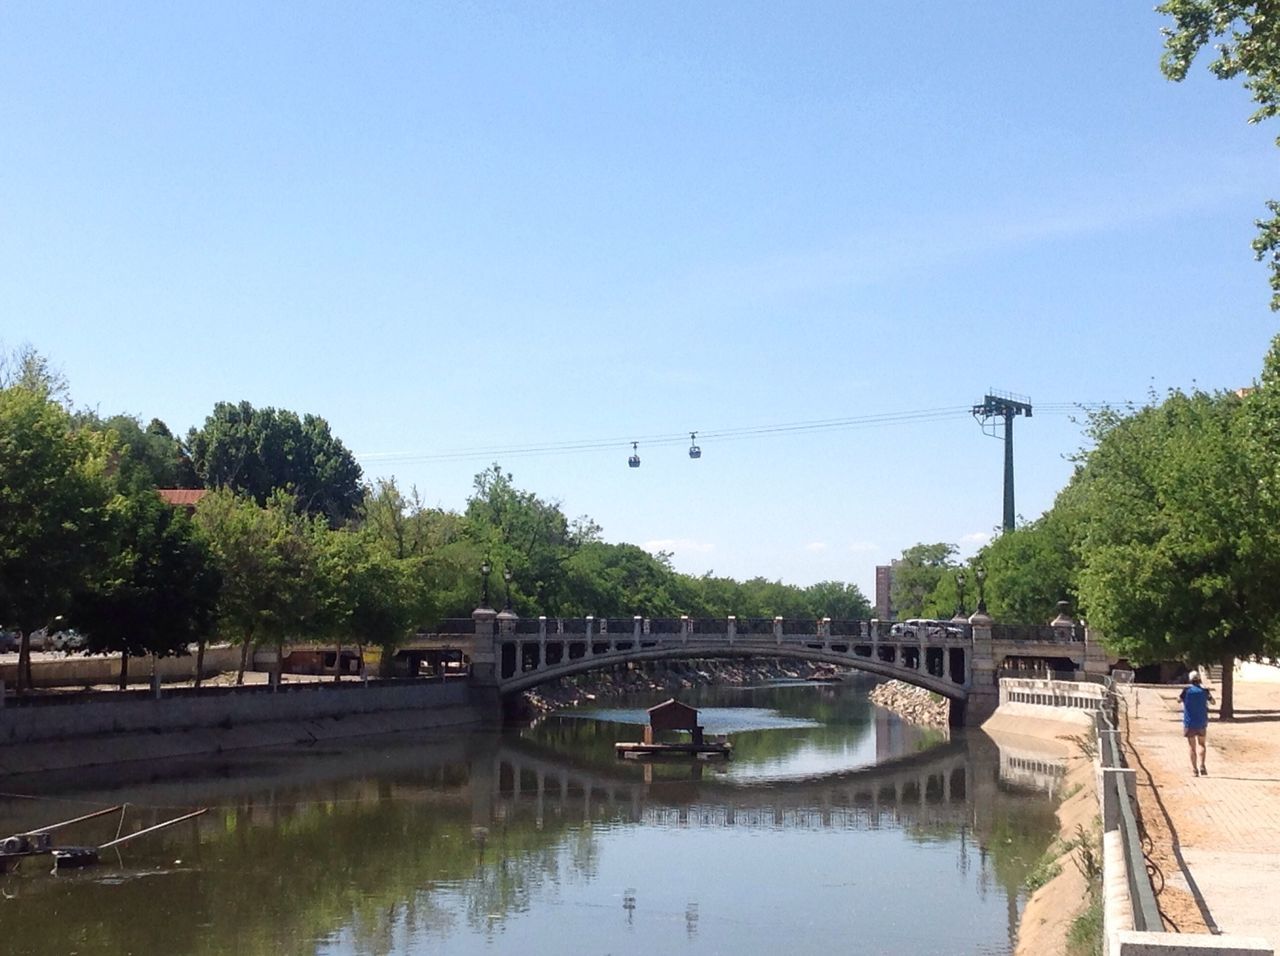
(959, 660)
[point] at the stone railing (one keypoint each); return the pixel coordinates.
(1079, 695)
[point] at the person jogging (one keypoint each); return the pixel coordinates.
(1195, 719)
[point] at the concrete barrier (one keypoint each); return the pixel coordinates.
(1187, 944)
(80, 671)
(138, 712)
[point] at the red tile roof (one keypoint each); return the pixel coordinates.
(182, 497)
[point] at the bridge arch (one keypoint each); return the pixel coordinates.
(528, 653)
(513, 680)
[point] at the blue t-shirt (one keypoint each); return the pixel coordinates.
(1195, 707)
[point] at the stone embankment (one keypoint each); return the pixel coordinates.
(913, 704)
(670, 677)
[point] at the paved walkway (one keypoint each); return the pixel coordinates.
(1217, 838)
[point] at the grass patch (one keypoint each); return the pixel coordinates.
(1046, 868)
(1085, 936)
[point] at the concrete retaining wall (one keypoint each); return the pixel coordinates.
(79, 671)
(222, 708)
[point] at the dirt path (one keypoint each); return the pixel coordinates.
(1215, 839)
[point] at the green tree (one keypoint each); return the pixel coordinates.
(917, 575)
(619, 580)
(1246, 36)
(27, 368)
(1031, 568)
(838, 601)
(262, 451)
(266, 560)
(158, 591)
(441, 550)
(363, 594)
(1180, 548)
(55, 496)
(526, 534)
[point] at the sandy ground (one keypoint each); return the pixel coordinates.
(1215, 840)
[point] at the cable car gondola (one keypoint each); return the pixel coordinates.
(694, 450)
(634, 460)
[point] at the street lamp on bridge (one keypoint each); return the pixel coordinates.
(507, 576)
(981, 574)
(960, 592)
(485, 568)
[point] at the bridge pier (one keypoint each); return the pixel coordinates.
(486, 697)
(984, 689)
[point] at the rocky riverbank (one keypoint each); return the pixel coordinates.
(913, 704)
(668, 677)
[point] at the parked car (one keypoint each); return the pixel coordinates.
(69, 642)
(10, 643)
(924, 627)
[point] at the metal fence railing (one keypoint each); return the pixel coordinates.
(1146, 913)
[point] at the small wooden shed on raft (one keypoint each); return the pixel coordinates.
(672, 715)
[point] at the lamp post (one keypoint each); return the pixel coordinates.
(485, 568)
(960, 592)
(507, 576)
(981, 574)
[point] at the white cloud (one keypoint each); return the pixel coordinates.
(863, 547)
(816, 546)
(678, 545)
(977, 538)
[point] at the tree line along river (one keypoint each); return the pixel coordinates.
(836, 827)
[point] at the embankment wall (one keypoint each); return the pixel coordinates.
(76, 670)
(62, 735)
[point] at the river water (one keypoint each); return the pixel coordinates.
(835, 828)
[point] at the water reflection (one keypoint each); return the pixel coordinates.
(544, 841)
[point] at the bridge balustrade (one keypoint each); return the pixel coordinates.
(1042, 633)
(880, 630)
(755, 625)
(847, 628)
(665, 625)
(619, 625)
(573, 625)
(529, 625)
(456, 625)
(800, 627)
(708, 626)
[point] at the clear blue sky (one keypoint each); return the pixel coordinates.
(464, 226)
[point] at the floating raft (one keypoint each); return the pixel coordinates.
(14, 849)
(703, 751)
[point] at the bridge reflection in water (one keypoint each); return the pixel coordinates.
(962, 783)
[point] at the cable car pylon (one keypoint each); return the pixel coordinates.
(1007, 406)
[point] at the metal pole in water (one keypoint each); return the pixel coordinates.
(67, 823)
(158, 826)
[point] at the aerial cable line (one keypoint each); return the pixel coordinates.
(742, 433)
